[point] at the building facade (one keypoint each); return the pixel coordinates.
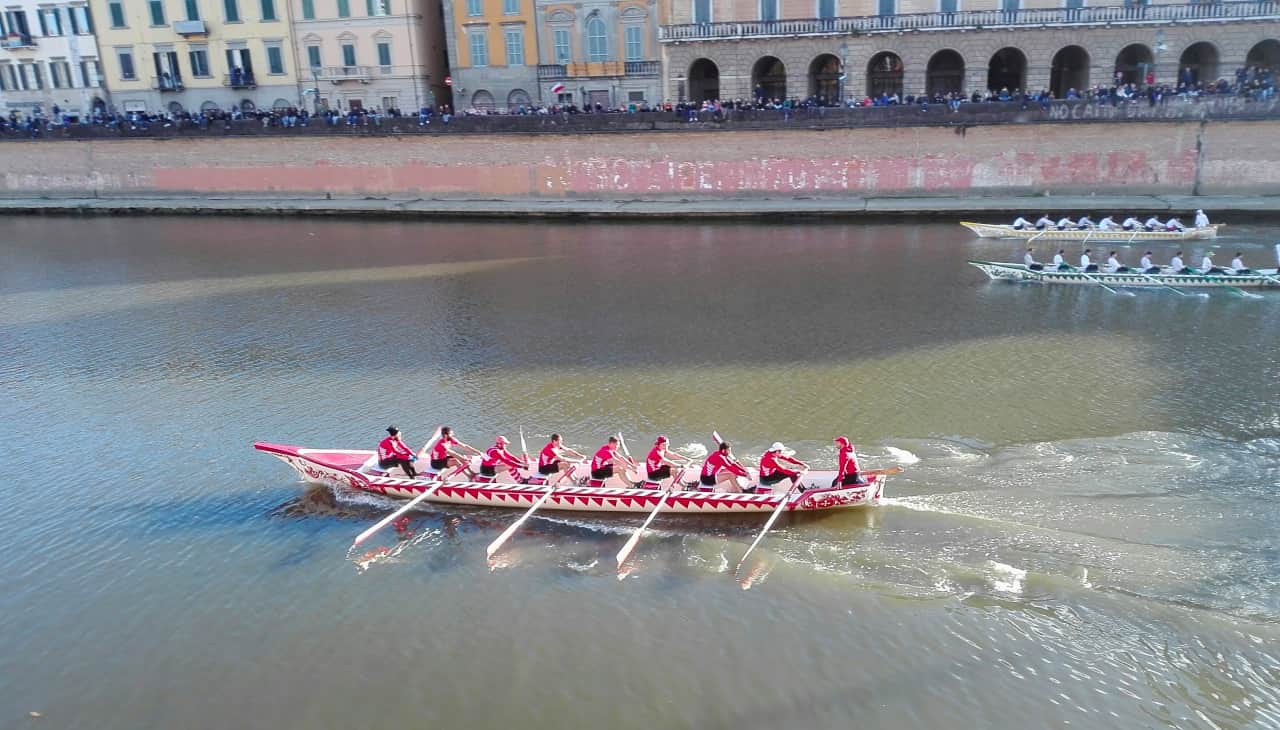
(381, 54)
(493, 53)
(603, 52)
(193, 55)
(843, 49)
(49, 58)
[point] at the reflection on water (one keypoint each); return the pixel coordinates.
(1084, 531)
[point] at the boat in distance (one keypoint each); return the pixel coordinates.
(1004, 230)
(1050, 275)
(349, 468)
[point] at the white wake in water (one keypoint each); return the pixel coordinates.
(902, 456)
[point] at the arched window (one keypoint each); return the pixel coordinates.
(597, 43)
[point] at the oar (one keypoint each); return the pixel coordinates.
(1177, 291)
(627, 451)
(392, 517)
(507, 533)
(1224, 285)
(1104, 286)
(782, 505)
(634, 540)
(1041, 233)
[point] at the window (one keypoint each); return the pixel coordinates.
(240, 63)
(39, 77)
(1010, 5)
(89, 72)
(275, 60)
(515, 47)
(635, 43)
(511, 7)
(313, 56)
(55, 75)
(475, 7)
(23, 77)
(51, 21)
(308, 9)
(231, 8)
(949, 6)
(348, 54)
(13, 78)
(193, 10)
(827, 8)
(635, 96)
(702, 11)
(479, 49)
(563, 54)
(1074, 4)
(377, 8)
(384, 54)
(167, 73)
(768, 9)
(116, 8)
(157, 11)
(268, 9)
(199, 58)
(4, 81)
(344, 8)
(126, 65)
(597, 44)
(888, 7)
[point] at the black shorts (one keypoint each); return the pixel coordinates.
(707, 481)
(439, 464)
(662, 472)
(773, 478)
(1035, 267)
(488, 471)
(552, 468)
(603, 473)
(849, 480)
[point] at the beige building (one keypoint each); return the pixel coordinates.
(48, 58)
(841, 49)
(603, 51)
(172, 55)
(370, 53)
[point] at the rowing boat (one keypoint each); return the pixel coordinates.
(997, 230)
(1049, 275)
(354, 469)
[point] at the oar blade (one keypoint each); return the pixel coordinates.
(392, 517)
(507, 533)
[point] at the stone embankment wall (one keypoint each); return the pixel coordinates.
(1176, 157)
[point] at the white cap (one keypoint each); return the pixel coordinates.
(777, 446)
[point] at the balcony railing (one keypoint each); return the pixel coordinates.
(16, 41)
(551, 72)
(974, 19)
(643, 68)
(190, 27)
(163, 84)
(338, 74)
(240, 81)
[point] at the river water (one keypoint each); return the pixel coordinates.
(1085, 533)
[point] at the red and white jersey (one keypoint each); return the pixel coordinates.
(441, 449)
(393, 448)
(499, 455)
(604, 456)
(655, 459)
(770, 464)
(549, 455)
(848, 460)
(719, 462)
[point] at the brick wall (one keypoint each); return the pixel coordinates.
(1102, 157)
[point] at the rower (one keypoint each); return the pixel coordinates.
(1114, 266)
(1044, 223)
(1146, 265)
(551, 460)
(1175, 225)
(443, 455)
(1107, 224)
(392, 453)
(604, 461)
(658, 463)
(498, 454)
(776, 464)
(1177, 267)
(1153, 224)
(1060, 261)
(1202, 220)
(1086, 265)
(1237, 265)
(720, 471)
(1021, 223)
(1131, 224)
(1086, 222)
(1206, 264)
(847, 472)
(1029, 260)
(1065, 223)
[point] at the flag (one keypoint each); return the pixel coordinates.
(842, 77)
(558, 88)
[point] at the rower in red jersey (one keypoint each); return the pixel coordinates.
(720, 471)
(498, 454)
(776, 465)
(658, 464)
(443, 455)
(392, 453)
(551, 460)
(604, 461)
(847, 472)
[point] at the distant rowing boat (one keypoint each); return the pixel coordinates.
(1050, 275)
(994, 230)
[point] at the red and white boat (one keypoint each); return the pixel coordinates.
(355, 469)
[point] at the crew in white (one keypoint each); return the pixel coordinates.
(1146, 262)
(1084, 259)
(1085, 222)
(1202, 220)
(1131, 223)
(1021, 223)
(1237, 264)
(1044, 223)
(1173, 224)
(1106, 224)
(1059, 260)
(1206, 263)
(1113, 263)
(1065, 223)
(1153, 224)
(1175, 263)
(1028, 259)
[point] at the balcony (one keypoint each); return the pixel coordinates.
(642, 68)
(190, 27)
(551, 72)
(976, 19)
(338, 74)
(239, 81)
(17, 41)
(163, 84)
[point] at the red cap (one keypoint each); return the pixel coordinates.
(502, 440)
(661, 440)
(842, 440)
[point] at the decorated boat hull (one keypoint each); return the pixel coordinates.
(1019, 272)
(340, 468)
(994, 230)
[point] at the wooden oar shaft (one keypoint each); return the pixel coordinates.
(507, 533)
(777, 512)
(391, 517)
(634, 540)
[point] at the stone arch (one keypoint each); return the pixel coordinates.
(1200, 61)
(884, 74)
(1007, 69)
(1133, 62)
(634, 13)
(945, 73)
(175, 107)
(769, 78)
(209, 106)
(1070, 70)
(281, 104)
(482, 100)
(703, 80)
(346, 35)
(560, 16)
(824, 77)
(311, 38)
(1264, 54)
(247, 105)
(517, 98)
(382, 35)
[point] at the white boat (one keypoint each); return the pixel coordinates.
(1072, 275)
(1001, 230)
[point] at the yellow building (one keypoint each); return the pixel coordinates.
(173, 55)
(493, 53)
